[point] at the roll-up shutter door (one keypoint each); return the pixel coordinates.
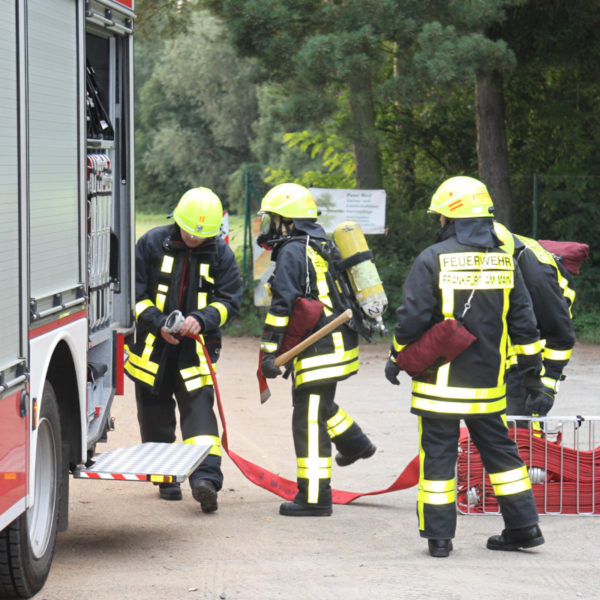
(53, 136)
(9, 190)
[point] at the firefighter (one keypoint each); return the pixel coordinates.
(552, 297)
(466, 274)
(302, 255)
(188, 267)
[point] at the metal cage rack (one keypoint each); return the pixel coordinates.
(562, 455)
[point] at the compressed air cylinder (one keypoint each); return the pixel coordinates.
(361, 270)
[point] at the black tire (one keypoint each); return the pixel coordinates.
(27, 544)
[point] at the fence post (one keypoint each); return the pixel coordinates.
(535, 207)
(247, 227)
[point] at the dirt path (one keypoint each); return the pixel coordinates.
(124, 543)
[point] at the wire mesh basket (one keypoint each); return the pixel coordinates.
(563, 460)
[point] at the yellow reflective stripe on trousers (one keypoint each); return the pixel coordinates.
(221, 310)
(313, 467)
(420, 513)
(321, 468)
(511, 482)
(141, 306)
(437, 498)
(339, 423)
(276, 321)
(205, 440)
(549, 354)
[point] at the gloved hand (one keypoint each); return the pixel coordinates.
(268, 368)
(540, 402)
(391, 371)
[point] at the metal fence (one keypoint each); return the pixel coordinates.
(562, 455)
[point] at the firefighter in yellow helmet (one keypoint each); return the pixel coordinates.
(465, 274)
(302, 253)
(184, 266)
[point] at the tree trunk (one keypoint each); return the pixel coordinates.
(364, 134)
(492, 151)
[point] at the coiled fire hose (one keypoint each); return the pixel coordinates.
(564, 480)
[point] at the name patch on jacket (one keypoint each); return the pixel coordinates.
(471, 270)
(475, 260)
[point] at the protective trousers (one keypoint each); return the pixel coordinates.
(198, 423)
(317, 421)
(438, 448)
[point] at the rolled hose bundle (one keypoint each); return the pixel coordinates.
(564, 480)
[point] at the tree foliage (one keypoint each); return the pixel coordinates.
(393, 94)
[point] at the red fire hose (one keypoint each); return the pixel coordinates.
(286, 488)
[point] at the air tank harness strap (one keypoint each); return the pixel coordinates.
(285, 488)
(359, 257)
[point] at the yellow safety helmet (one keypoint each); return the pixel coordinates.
(199, 212)
(506, 237)
(462, 198)
(289, 200)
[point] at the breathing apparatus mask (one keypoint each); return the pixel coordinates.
(273, 229)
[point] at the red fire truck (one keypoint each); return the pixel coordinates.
(66, 269)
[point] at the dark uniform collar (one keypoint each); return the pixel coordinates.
(478, 232)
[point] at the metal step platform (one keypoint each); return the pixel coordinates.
(151, 461)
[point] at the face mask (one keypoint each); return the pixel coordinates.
(270, 232)
(267, 233)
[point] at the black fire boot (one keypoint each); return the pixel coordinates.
(344, 461)
(293, 509)
(205, 492)
(170, 491)
(439, 548)
(513, 539)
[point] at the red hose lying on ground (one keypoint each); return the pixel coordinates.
(285, 488)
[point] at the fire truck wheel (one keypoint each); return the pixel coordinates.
(27, 544)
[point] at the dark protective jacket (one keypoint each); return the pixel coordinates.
(552, 298)
(335, 356)
(203, 282)
(438, 286)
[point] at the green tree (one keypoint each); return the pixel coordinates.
(196, 113)
(316, 47)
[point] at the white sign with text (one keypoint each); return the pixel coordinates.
(365, 207)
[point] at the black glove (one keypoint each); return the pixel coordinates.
(268, 368)
(540, 402)
(391, 371)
